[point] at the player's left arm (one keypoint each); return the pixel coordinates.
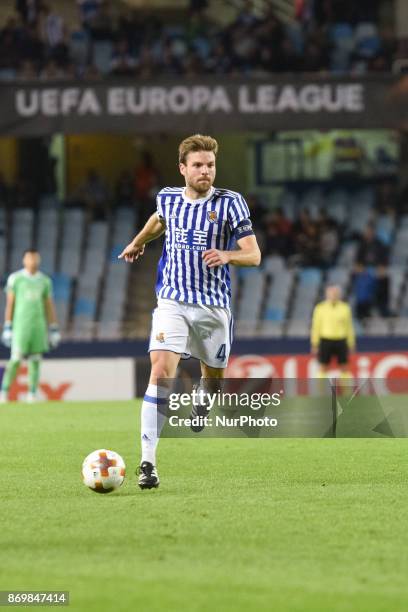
(50, 311)
(247, 254)
(51, 314)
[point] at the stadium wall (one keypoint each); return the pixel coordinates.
(118, 378)
(257, 346)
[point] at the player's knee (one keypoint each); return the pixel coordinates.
(208, 372)
(161, 369)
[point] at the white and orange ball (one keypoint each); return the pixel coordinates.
(103, 471)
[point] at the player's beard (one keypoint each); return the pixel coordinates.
(201, 186)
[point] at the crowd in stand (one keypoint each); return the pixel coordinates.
(136, 188)
(304, 241)
(326, 35)
(315, 242)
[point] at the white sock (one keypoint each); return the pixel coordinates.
(152, 421)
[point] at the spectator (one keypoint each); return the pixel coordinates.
(364, 289)
(247, 16)
(383, 291)
(88, 10)
(28, 10)
(283, 224)
(146, 66)
(276, 243)
(52, 27)
(254, 44)
(101, 27)
(147, 182)
(51, 71)
(125, 189)
(31, 46)
(329, 242)
(95, 196)
(122, 62)
(371, 251)
(9, 55)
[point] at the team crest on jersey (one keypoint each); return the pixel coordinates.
(212, 216)
(160, 337)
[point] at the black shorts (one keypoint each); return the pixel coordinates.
(333, 348)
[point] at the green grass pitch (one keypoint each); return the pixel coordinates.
(237, 524)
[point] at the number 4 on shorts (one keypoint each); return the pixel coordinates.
(221, 353)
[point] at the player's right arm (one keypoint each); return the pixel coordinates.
(8, 319)
(154, 227)
(8, 314)
(315, 330)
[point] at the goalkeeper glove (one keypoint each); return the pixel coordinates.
(7, 334)
(55, 336)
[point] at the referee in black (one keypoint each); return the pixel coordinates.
(332, 334)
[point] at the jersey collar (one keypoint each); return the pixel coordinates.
(200, 200)
(28, 275)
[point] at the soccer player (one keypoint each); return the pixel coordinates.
(29, 308)
(193, 314)
(332, 333)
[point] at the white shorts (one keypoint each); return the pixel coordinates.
(192, 330)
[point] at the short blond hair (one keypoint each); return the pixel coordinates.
(195, 143)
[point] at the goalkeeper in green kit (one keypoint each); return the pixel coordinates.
(30, 322)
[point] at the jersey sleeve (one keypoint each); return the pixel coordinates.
(48, 293)
(11, 284)
(239, 217)
(160, 207)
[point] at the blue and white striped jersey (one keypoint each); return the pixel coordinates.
(193, 226)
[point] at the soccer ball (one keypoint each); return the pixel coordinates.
(103, 471)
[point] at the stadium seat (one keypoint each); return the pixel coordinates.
(47, 237)
(296, 328)
(339, 276)
(347, 253)
(252, 289)
(400, 326)
(71, 241)
(273, 264)
(306, 293)
(61, 287)
(397, 278)
(85, 306)
(271, 329)
(377, 326)
(274, 314)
